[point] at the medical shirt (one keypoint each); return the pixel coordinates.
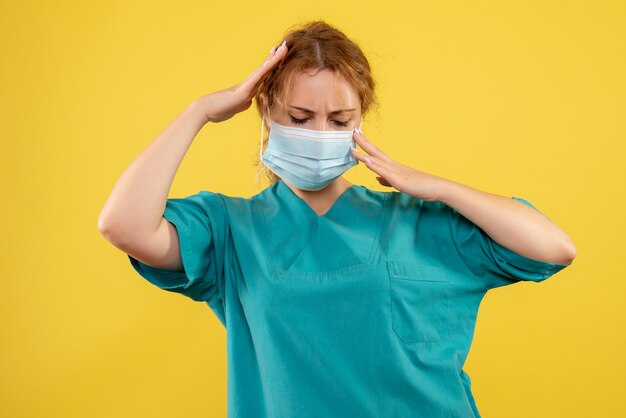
(366, 311)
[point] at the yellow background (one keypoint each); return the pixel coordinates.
(525, 99)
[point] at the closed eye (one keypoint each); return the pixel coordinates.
(343, 124)
(298, 121)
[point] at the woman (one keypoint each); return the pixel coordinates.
(339, 300)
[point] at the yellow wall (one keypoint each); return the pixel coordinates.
(524, 99)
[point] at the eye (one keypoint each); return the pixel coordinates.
(336, 122)
(298, 121)
(342, 124)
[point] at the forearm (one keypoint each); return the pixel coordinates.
(509, 222)
(136, 203)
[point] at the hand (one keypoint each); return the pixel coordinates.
(393, 174)
(224, 104)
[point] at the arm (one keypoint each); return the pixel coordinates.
(132, 217)
(509, 222)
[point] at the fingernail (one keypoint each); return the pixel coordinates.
(272, 50)
(281, 45)
(367, 160)
(359, 131)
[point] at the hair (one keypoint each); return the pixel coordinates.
(314, 45)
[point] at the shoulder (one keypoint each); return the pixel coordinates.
(213, 198)
(405, 209)
(206, 204)
(232, 206)
(404, 202)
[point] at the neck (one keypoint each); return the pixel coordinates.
(324, 196)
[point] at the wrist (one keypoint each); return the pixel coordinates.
(446, 190)
(196, 108)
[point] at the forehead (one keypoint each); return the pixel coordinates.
(322, 89)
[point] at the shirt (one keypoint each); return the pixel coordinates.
(366, 311)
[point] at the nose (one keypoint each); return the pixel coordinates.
(323, 126)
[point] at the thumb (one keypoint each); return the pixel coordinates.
(245, 105)
(383, 181)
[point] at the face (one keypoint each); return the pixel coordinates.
(320, 100)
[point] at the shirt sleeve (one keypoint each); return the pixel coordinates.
(201, 223)
(491, 262)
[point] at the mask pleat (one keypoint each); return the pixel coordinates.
(307, 158)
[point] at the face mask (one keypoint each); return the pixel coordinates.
(307, 158)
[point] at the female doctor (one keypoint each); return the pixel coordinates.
(338, 300)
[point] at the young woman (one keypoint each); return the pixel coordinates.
(339, 300)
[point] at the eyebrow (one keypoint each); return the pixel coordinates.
(334, 112)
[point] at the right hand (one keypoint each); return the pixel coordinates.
(224, 104)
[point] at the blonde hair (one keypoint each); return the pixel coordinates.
(315, 45)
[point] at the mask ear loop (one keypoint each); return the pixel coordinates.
(263, 131)
(353, 141)
(261, 145)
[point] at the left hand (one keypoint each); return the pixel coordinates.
(393, 174)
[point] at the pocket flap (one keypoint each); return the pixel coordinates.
(416, 271)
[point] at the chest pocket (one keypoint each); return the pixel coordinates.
(419, 300)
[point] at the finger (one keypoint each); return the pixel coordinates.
(251, 82)
(378, 167)
(369, 147)
(272, 53)
(369, 160)
(386, 164)
(375, 164)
